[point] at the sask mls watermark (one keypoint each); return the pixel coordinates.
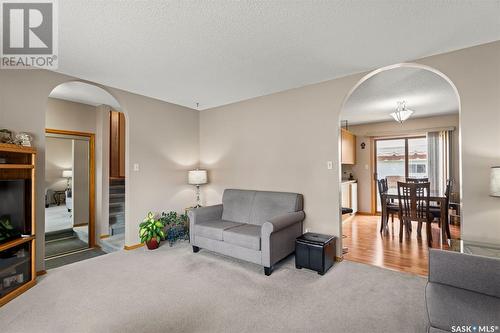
(29, 34)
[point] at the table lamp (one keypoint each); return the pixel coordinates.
(197, 177)
(68, 174)
(495, 181)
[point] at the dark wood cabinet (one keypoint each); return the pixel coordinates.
(117, 145)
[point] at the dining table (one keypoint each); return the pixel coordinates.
(434, 196)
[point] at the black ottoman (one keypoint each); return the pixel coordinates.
(315, 251)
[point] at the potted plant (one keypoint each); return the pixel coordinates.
(151, 231)
(177, 226)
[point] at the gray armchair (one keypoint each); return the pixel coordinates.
(256, 226)
(463, 290)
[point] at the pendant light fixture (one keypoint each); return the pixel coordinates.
(402, 113)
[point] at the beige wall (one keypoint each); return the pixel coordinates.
(362, 170)
(70, 116)
(161, 137)
(283, 141)
(279, 142)
(476, 73)
(102, 170)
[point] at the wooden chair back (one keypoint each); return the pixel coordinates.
(414, 202)
(382, 187)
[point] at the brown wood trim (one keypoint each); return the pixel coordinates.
(40, 273)
(104, 236)
(8, 147)
(16, 292)
(91, 137)
(364, 213)
(80, 224)
(65, 132)
(373, 169)
(16, 242)
(133, 247)
(16, 166)
(33, 259)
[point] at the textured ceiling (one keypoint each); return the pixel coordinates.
(219, 52)
(425, 93)
(81, 92)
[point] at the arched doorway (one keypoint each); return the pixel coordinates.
(85, 202)
(384, 146)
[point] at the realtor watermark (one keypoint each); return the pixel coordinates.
(475, 328)
(29, 34)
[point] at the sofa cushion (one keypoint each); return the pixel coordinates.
(237, 205)
(449, 306)
(267, 205)
(246, 235)
(213, 229)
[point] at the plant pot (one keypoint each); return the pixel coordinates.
(152, 244)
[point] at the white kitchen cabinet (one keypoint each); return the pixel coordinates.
(350, 195)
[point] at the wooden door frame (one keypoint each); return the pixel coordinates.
(91, 137)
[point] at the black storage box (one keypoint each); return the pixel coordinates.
(315, 251)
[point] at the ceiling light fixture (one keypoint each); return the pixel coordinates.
(402, 113)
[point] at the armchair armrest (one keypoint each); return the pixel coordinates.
(281, 222)
(466, 271)
(201, 214)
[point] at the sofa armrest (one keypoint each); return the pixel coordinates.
(281, 222)
(278, 236)
(466, 271)
(200, 214)
(197, 215)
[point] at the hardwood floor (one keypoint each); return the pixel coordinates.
(367, 245)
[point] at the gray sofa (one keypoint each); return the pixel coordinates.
(255, 226)
(463, 290)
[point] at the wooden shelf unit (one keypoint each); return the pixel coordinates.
(20, 165)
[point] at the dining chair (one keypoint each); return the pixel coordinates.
(414, 206)
(436, 210)
(417, 180)
(390, 208)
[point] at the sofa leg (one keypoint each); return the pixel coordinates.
(268, 270)
(196, 249)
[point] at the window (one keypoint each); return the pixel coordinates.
(398, 159)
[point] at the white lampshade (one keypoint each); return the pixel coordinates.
(67, 173)
(495, 181)
(197, 177)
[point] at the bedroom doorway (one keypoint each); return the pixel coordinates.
(69, 193)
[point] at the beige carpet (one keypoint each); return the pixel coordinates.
(174, 290)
